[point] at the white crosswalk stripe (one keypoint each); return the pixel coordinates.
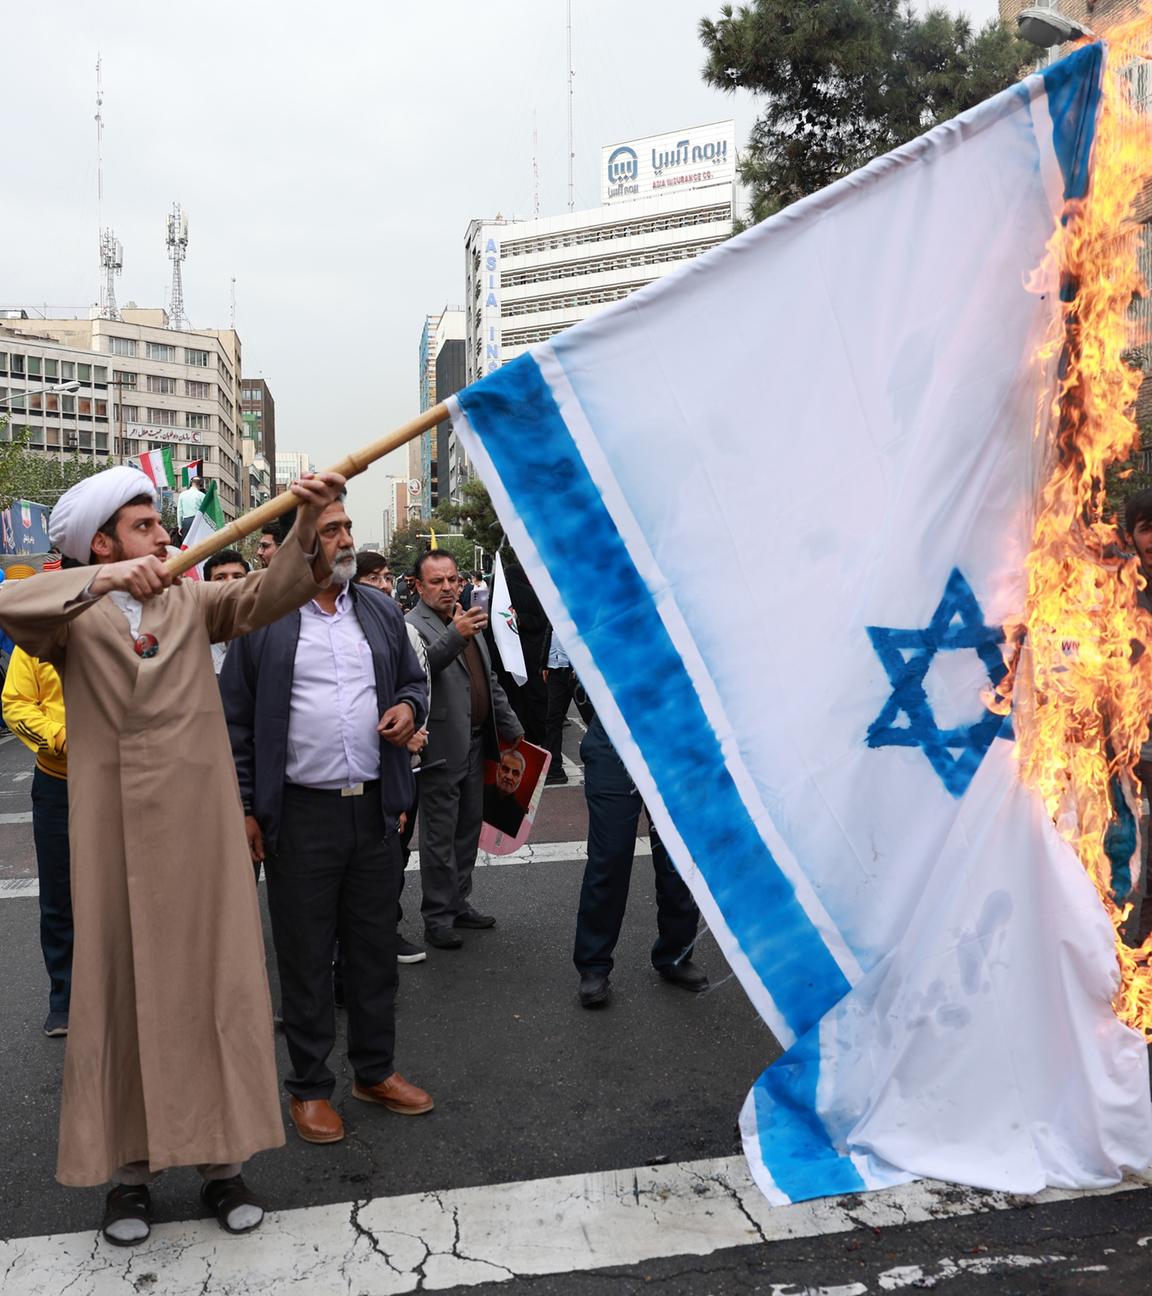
(534, 853)
(498, 1232)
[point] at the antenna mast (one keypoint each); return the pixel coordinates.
(571, 92)
(177, 239)
(535, 169)
(232, 323)
(111, 252)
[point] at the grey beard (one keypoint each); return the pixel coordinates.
(343, 569)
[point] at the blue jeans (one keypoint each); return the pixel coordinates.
(614, 808)
(53, 862)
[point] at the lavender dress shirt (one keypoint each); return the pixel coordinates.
(332, 737)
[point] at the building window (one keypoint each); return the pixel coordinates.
(67, 370)
(203, 421)
(123, 378)
(17, 364)
(161, 386)
(161, 351)
(122, 346)
(33, 366)
(3, 361)
(68, 404)
(99, 374)
(51, 369)
(84, 372)
(101, 409)
(197, 390)
(131, 413)
(198, 358)
(162, 416)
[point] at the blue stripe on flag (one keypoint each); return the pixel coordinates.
(1073, 87)
(516, 416)
(793, 1142)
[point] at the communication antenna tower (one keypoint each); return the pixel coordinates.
(177, 239)
(232, 313)
(111, 252)
(111, 263)
(571, 94)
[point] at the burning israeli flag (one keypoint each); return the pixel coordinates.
(779, 507)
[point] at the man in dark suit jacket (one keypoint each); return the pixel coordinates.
(320, 706)
(468, 710)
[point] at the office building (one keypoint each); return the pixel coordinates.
(142, 386)
(664, 200)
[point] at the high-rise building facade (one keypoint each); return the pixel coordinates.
(424, 455)
(258, 426)
(291, 464)
(664, 200)
(143, 386)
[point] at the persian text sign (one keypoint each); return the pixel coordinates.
(696, 158)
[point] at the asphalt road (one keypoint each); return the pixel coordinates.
(530, 1086)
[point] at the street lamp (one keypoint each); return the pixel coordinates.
(1045, 25)
(61, 389)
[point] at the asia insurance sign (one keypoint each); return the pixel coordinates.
(696, 158)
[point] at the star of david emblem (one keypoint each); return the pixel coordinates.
(958, 622)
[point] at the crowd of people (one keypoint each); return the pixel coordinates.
(328, 729)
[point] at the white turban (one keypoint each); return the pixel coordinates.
(84, 508)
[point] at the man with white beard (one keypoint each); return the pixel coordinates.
(320, 706)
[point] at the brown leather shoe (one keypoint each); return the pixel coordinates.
(396, 1094)
(316, 1120)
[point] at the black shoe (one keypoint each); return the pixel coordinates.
(127, 1202)
(442, 938)
(686, 975)
(56, 1024)
(473, 921)
(595, 989)
(553, 779)
(407, 952)
(224, 1197)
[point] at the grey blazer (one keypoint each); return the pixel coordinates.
(450, 708)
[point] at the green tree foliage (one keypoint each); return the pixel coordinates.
(475, 517)
(843, 81)
(40, 478)
(409, 541)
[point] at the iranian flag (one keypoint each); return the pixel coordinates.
(157, 465)
(190, 470)
(206, 523)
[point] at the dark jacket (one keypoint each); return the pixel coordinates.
(450, 720)
(256, 686)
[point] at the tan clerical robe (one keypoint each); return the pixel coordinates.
(170, 1056)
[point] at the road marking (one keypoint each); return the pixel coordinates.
(19, 778)
(567, 852)
(23, 816)
(500, 1232)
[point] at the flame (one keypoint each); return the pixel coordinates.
(1083, 682)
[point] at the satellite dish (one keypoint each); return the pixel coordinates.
(414, 486)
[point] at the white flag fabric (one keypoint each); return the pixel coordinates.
(505, 631)
(799, 476)
(203, 526)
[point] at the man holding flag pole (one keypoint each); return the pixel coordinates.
(170, 1058)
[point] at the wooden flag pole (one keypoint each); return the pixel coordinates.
(352, 466)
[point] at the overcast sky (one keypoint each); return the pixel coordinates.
(329, 156)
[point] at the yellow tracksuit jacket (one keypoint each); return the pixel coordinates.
(34, 711)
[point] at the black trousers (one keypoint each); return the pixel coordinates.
(50, 833)
(614, 808)
(561, 688)
(335, 875)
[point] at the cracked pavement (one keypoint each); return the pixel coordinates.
(529, 1088)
